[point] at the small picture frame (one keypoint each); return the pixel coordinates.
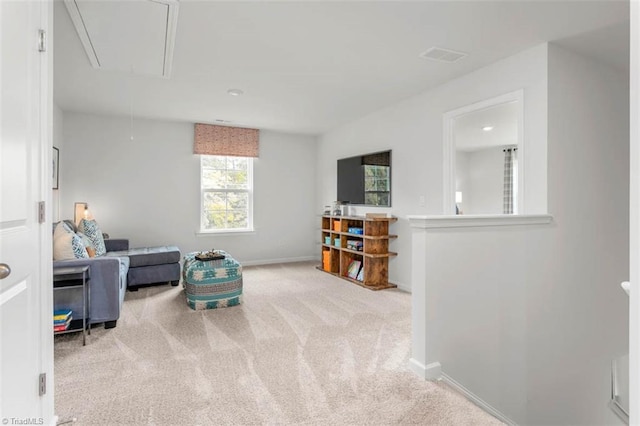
(56, 167)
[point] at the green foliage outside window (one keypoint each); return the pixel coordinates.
(376, 185)
(226, 190)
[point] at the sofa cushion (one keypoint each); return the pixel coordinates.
(91, 229)
(148, 256)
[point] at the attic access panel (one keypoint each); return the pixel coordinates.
(131, 36)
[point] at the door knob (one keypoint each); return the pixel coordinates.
(5, 270)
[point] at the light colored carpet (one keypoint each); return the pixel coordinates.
(303, 348)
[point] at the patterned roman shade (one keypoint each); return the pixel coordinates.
(223, 140)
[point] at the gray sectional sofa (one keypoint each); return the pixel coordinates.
(108, 281)
(119, 268)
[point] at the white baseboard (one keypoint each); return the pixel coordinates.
(476, 400)
(428, 372)
(403, 287)
(281, 260)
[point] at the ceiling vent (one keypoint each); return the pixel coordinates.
(442, 55)
(131, 36)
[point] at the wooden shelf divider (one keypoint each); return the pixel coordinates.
(375, 254)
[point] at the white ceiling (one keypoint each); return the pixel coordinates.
(308, 67)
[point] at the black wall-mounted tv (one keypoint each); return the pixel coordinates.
(365, 179)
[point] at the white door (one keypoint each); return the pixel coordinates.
(634, 237)
(25, 292)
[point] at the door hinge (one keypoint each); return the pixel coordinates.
(42, 384)
(42, 41)
(41, 212)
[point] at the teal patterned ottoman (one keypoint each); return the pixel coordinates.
(212, 284)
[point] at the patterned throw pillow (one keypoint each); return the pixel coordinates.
(88, 244)
(79, 250)
(91, 229)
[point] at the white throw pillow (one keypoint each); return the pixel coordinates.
(60, 229)
(67, 245)
(62, 246)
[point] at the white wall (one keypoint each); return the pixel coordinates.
(58, 142)
(485, 181)
(584, 325)
(528, 318)
(147, 189)
(413, 130)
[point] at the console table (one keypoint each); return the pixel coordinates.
(75, 277)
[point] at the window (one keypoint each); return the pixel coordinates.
(226, 193)
(376, 185)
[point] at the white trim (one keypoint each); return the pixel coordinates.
(468, 221)
(225, 232)
(431, 371)
(170, 34)
(448, 147)
(634, 216)
(281, 260)
(417, 367)
(476, 400)
(81, 30)
(172, 25)
(403, 287)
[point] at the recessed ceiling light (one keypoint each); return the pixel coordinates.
(235, 92)
(487, 128)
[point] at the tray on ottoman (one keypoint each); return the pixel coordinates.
(212, 284)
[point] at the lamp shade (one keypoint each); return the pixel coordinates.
(80, 211)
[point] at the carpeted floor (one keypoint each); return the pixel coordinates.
(303, 348)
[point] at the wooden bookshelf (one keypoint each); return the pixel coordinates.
(374, 256)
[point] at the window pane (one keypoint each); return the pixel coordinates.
(214, 178)
(237, 163)
(236, 179)
(214, 161)
(237, 219)
(382, 185)
(214, 220)
(225, 183)
(237, 200)
(369, 184)
(215, 200)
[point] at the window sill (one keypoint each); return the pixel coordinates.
(467, 221)
(225, 232)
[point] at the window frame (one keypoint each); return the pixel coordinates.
(249, 191)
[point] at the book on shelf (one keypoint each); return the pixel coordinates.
(360, 276)
(64, 325)
(354, 268)
(62, 322)
(354, 245)
(61, 314)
